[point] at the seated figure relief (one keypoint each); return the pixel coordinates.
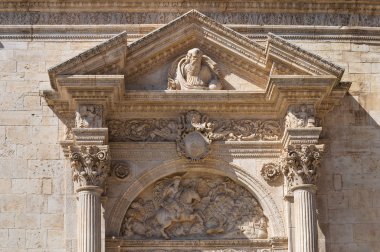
(194, 71)
(191, 206)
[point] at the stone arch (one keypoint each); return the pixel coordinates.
(218, 167)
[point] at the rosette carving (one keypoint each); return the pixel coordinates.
(90, 164)
(300, 164)
(270, 172)
(120, 170)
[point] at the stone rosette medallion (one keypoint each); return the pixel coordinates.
(195, 206)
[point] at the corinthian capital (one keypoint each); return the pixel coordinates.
(299, 164)
(90, 164)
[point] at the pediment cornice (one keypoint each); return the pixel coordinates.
(285, 73)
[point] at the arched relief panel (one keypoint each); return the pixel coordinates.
(271, 211)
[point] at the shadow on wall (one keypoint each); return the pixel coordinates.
(349, 178)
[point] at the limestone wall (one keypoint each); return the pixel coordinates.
(34, 180)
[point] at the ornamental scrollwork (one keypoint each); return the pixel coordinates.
(90, 164)
(168, 130)
(195, 206)
(300, 164)
(144, 130)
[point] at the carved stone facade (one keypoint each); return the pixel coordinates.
(166, 129)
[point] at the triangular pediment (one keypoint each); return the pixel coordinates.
(234, 73)
(244, 64)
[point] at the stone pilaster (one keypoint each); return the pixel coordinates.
(90, 163)
(299, 164)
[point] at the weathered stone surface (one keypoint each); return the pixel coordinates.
(37, 199)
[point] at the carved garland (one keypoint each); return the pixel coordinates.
(168, 130)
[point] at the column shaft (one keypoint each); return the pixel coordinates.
(305, 219)
(89, 219)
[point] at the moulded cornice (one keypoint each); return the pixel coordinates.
(289, 74)
(292, 6)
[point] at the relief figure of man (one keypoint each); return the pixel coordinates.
(195, 71)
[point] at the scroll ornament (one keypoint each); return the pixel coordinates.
(168, 130)
(90, 164)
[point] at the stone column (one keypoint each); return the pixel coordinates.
(90, 166)
(89, 218)
(90, 162)
(299, 165)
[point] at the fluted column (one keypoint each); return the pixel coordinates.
(89, 218)
(305, 218)
(299, 165)
(90, 166)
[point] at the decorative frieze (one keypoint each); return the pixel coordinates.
(90, 164)
(300, 164)
(164, 17)
(195, 206)
(168, 130)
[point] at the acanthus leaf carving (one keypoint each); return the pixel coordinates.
(193, 206)
(90, 164)
(300, 164)
(168, 130)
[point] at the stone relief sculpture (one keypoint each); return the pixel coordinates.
(194, 206)
(270, 172)
(194, 71)
(89, 116)
(194, 136)
(156, 130)
(300, 116)
(146, 130)
(120, 170)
